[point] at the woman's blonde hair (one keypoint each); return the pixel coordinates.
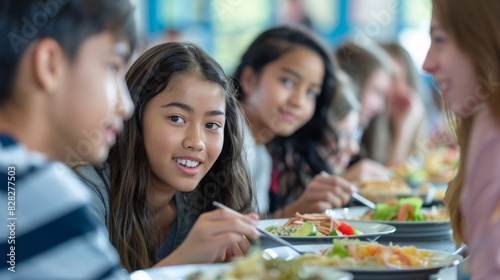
(473, 25)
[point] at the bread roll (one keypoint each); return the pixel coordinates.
(394, 185)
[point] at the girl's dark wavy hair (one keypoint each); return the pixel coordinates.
(274, 43)
(298, 157)
(269, 46)
(132, 228)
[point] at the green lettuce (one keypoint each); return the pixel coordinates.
(338, 250)
(417, 205)
(386, 212)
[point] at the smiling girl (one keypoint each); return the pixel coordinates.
(181, 150)
(464, 58)
(285, 79)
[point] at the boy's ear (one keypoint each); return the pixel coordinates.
(248, 80)
(48, 63)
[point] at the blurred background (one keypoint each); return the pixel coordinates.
(225, 27)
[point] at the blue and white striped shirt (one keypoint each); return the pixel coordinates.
(48, 231)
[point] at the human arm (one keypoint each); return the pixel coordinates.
(323, 192)
(211, 236)
(366, 169)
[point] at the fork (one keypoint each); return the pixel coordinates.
(364, 200)
(354, 195)
(264, 232)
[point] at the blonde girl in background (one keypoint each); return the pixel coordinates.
(402, 131)
(370, 70)
(343, 118)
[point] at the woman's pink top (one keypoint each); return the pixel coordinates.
(480, 198)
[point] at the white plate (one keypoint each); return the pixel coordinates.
(181, 272)
(370, 230)
(404, 230)
(362, 273)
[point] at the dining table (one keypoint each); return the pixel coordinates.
(444, 244)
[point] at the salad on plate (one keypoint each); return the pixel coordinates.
(405, 209)
(313, 225)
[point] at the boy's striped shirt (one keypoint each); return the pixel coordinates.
(54, 231)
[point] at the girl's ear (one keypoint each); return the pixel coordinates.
(248, 80)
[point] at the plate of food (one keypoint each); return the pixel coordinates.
(381, 190)
(437, 167)
(436, 190)
(407, 215)
(254, 266)
(426, 177)
(370, 260)
(320, 227)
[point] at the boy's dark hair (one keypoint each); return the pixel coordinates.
(69, 22)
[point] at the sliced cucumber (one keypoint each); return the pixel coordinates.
(307, 229)
(357, 232)
(319, 234)
(270, 228)
(336, 232)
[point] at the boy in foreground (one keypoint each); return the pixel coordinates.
(62, 98)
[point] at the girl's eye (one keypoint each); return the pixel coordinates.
(213, 126)
(313, 94)
(113, 67)
(287, 82)
(176, 119)
(438, 40)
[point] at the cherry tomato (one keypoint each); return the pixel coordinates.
(345, 228)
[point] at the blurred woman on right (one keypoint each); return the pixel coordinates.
(464, 58)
